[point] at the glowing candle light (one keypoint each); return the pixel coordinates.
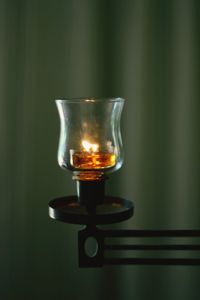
(90, 142)
(89, 147)
(91, 158)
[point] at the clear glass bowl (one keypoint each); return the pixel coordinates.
(90, 142)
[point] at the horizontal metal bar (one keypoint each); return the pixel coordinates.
(150, 233)
(151, 261)
(153, 247)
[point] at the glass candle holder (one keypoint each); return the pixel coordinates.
(90, 146)
(90, 143)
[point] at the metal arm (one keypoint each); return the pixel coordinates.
(101, 257)
(115, 209)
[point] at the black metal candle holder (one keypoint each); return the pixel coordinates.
(91, 210)
(91, 147)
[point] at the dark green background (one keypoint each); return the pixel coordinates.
(144, 51)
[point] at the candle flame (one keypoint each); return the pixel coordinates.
(90, 147)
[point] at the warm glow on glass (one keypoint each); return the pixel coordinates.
(90, 140)
(93, 160)
(90, 158)
(87, 146)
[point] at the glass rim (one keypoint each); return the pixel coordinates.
(90, 100)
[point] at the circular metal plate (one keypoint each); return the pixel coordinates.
(111, 210)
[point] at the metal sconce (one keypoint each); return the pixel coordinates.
(91, 147)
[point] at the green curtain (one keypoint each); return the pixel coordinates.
(144, 51)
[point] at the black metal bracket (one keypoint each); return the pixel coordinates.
(104, 248)
(161, 247)
(97, 259)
